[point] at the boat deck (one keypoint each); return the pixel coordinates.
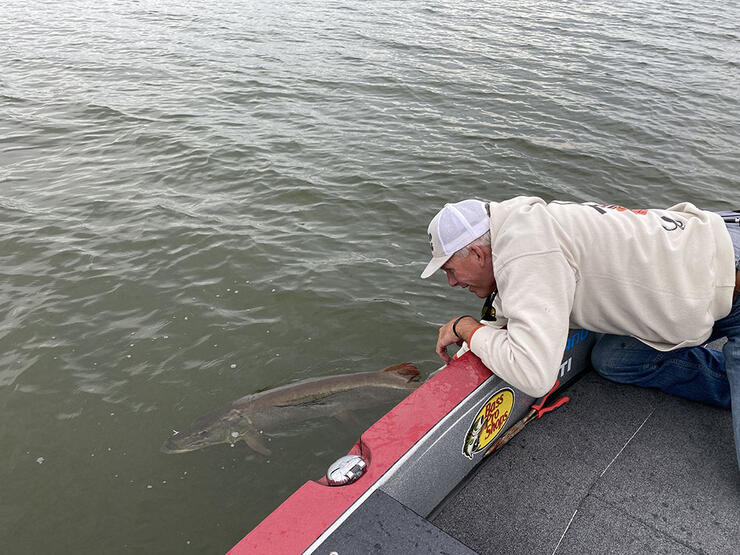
(619, 469)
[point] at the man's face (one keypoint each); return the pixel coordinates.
(474, 272)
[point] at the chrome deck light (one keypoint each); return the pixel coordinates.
(346, 470)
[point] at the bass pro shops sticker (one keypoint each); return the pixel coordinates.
(489, 422)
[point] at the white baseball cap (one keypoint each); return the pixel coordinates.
(454, 227)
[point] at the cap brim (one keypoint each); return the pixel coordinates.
(434, 264)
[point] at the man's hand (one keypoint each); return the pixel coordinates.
(465, 328)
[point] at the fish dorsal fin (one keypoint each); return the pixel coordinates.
(406, 370)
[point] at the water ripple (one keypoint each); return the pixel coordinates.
(200, 203)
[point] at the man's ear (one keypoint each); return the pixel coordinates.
(479, 253)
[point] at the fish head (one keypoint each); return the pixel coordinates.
(204, 432)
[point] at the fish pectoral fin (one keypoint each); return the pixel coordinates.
(255, 441)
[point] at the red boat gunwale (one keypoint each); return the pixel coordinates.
(316, 506)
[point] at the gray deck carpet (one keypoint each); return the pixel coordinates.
(619, 469)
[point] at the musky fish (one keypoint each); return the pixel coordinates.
(248, 418)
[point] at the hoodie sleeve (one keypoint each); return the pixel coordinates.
(536, 293)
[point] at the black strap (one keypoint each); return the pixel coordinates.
(488, 312)
(730, 216)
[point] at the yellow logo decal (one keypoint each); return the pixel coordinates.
(489, 422)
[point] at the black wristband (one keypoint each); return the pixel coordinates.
(454, 326)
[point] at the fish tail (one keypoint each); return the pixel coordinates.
(406, 369)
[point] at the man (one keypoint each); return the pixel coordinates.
(658, 284)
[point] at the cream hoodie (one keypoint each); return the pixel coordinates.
(661, 276)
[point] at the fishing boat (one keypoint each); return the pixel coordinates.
(440, 473)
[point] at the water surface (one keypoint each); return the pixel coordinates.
(203, 200)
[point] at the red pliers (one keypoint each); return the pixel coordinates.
(538, 409)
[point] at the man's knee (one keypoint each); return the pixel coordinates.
(617, 357)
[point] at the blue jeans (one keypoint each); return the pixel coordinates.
(696, 373)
